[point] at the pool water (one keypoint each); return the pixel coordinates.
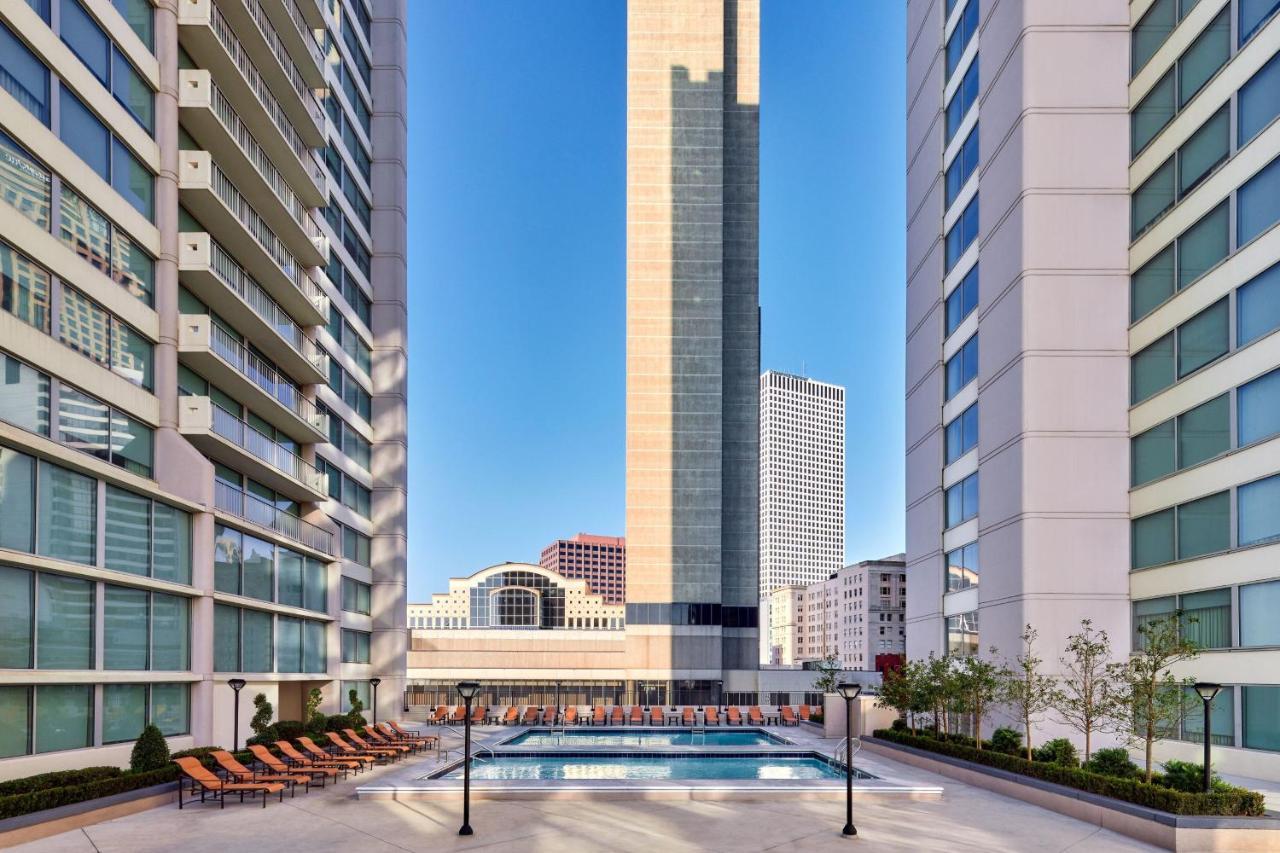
(650, 767)
(644, 737)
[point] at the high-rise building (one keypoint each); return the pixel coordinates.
(599, 560)
(857, 615)
(801, 480)
(693, 353)
(1121, 418)
(203, 445)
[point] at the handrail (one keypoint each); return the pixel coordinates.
(257, 227)
(265, 376)
(473, 744)
(242, 434)
(254, 509)
(290, 68)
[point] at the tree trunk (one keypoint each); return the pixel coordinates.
(1026, 725)
(1088, 731)
(977, 725)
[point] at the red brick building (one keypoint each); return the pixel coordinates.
(600, 560)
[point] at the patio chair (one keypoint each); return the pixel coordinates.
(207, 782)
(512, 716)
(549, 715)
(459, 714)
(788, 716)
(571, 715)
(237, 772)
(655, 716)
(396, 751)
(637, 715)
(477, 716)
(735, 716)
(345, 749)
(423, 741)
(441, 714)
(403, 731)
(687, 717)
(597, 715)
(531, 715)
(615, 717)
(756, 718)
(376, 738)
(710, 716)
(278, 767)
(297, 759)
(804, 712)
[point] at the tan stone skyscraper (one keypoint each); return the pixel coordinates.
(693, 333)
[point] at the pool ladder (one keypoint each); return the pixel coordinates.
(847, 750)
(474, 746)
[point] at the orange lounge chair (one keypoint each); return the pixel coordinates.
(203, 778)
(615, 717)
(655, 716)
(459, 714)
(400, 730)
(637, 715)
(756, 718)
(512, 716)
(298, 759)
(597, 715)
(531, 715)
(441, 714)
(237, 772)
(788, 716)
(549, 715)
(710, 716)
(348, 751)
(571, 715)
(477, 716)
(396, 751)
(423, 741)
(376, 738)
(278, 767)
(687, 717)
(804, 712)
(735, 717)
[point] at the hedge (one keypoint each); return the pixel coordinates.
(57, 779)
(52, 797)
(1238, 802)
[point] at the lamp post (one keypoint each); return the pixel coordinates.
(1208, 692)
(719, 697)
(374, 682)
(848, 692)
(555, 718)
(236, 684)
(468, 691)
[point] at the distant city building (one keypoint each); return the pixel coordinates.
(783, 606)
(599, 560)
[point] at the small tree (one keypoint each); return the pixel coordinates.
(829, 674)
(150, 752)
(354, 715)
(262, 714)
(1027, 693)
(1147, 691)
(979, 684)
(312, 717)
(905, 691)
(937, 688)
(1085, 699)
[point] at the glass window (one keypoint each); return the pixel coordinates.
(16, 607)
(1206, 618)
(962, 99)
(64, 717)
(314, 658)
(24, 184)
(1258, 203)
(124, 712)
(140, 18)
(1258, 102)
(355, 596)
(126, 617)
(1204, 338)
(962, 567)
(1153, 198)
(288, 644)
(132, 91)
(962, 233)
(962, 368)
(85, 230)
(1151, 369)
(85, 326)
(1150, 611)
(132, 179)
(132, 268)
(1207, 147)
(86, 39)
(228, 546)
(1208, 53)
(1261, 717)
(1151, 31)
(1202, 246)
(24, 396)
(128, 532)
(257, 641)
(131, 355)
(84, 134)
(226, 638)
(962, 300)
(170, 708)
(1204, 432)
(1258, 306)
(170, 632)
(962, 501)
(171, 559)
(15, 719)
(962, 635)
(1204, 526)
(1253, 14)
(961, 36)
(1222, 729)
(1258, 404)
(362, 693)
(1259, 603)
(355, 545)
(84, 423)
(24, 289)
(1259, 511)
(23, 76)
(289, 589)
(962, 434)
(64, 623)
(316, 586)
(1152, 539)
(259, 560)
(355, 644)
(1154, 111)
(68, 515)
(17, 500)
(1152, 453)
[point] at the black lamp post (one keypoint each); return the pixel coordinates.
(468, 691)
(555, 718)
(236, 684)
(374, 682)
(1208, 692)
(719, 697)
(848, 692)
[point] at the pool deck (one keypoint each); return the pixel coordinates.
(335, 820)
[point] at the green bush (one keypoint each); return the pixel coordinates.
(354, 715)
(262, 714)
(337, 722)
(17, 804)
(1189, 776)
(899, 725)
(1113, 761)
(1229, 802)
(1007, 740)
(289, 730)
(1058, 751)
(150, 751)
(57, 779)
(266, 737)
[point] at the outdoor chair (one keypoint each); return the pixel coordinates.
(571, 715)
(637, 715)
(549, 715)
(531, 715)
(295, 758)
(237, 772)
(395, 751)
(687, 717)
(757, 719)
(441, 714)
(376, 738)
(615, 716)
(788, 716)
(597, 715)
(459, 714)
(477, 716)
(710, 716)
(512, 716)
(278, 767)
(208, 783)
(423, 741)
(804, 712)
(735, 716)
(655, 716)
(343, 751)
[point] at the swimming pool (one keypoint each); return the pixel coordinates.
(652, 767)
(639, 737)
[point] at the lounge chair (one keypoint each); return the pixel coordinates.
(571, 715)
(512, 716)
(423, 741)
(735, 716)
(788, 716)
(278, 767)
(615, 717)
(549, 715)
(755, 717)
(297, 759)
(531, 715)
(400, 730)
(316, 752)
(397, 751)
(804, 712)
(655, 716)
(440, 716)
(710, 716)
(376, 738)
(477, 716)
(597, 715)
(208, 783)
(687, 717)
(637, 715)
(237, 772)
(459, 714)
(345, 749)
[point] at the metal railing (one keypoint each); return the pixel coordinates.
(263, 513)
(241, 434)
(266, 377)
(308, 35)
(268, 31)
(257, 227)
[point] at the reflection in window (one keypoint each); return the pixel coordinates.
(24, 183)
(24, 289)
(23, 76)
(962, 567)
(67, 515)
(24, 396)
(962, 635)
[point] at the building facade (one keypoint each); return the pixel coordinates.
(693, 354)
(785, 610)
(202, 418)
(599, 560)
(801, 480)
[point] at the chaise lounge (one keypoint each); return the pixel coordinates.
(208, 783)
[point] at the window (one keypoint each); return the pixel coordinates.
(361, 689)
(355, 596)
(1151, 31)
(1152, 539)
(127, 614)
(961, 36)
(962, 635)
(93, 237)
(1259, 511)
(289, 583)
(1209, 52)
(89, 329)
(170, 632)
(351, 392)
(24, 183)
(124, 712)
(23, 76)
(962, 368)
(1204, 338)
(1206, 618)
(962, 501)
(964, 164)
(962, 434)
(1202, 152)
(67, 515)
(1203, 245)
(24, 289)
(355, 496)
(84, 134)
(1222, 729)
(242, 640)
(288, 644)
(65, 717)
(24, 396)
(95, 428)
(1261, 717)
(1204, 526)
(962, 234)
(1149, 612)
(1258, 203)
(1153, 198)
(355, 646)
(139, 16)
(1258, 409)
(88, 42)
(1253, 14)
(315, 585)
(1258, 306)
(1204, 432)
(64, 622)
(355, 546)
(1258, 102)
(170, 708)
(962, 567)
(962, 99)
(1259, 602)
(1152, 113)
(17, 608)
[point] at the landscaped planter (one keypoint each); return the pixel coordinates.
(1153, 826)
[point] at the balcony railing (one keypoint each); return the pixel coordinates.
(254, 509)
(268, 31)
(244, 436)
(232, 123)
(304, 29)
(265, 377)
(260, 231)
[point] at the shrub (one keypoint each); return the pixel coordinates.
(289, 730)
(200, 752)
(104, 785)
(1189, 776)
(262, 714)
(266, 737)
(357, 719)
(816, 716)
(337, 722)
(1224, 801)
(1005, 739)
(57, 779)
(1058, 751)
(1113, 761)
(899, 725)
(150, 752)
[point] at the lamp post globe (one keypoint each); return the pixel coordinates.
(848, 691)
(1208, 691)
(468, 690)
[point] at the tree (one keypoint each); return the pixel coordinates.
(905, 691)
(262, 714)
(1027, 693)
(979, 685)
(937, 689)
(311, 708)
(354, 715)
(150, 752)
(830, 669)
(1085, 698)
(1151, 698)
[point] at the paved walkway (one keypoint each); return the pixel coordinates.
(967, 819)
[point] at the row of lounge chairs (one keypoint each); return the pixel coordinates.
(307, 764)
(614, 715)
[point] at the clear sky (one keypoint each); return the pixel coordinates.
(517, 167)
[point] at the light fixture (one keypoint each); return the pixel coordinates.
(1207, 691)
(236, 684)
(848, 691)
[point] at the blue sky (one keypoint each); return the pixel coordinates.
(517, 136)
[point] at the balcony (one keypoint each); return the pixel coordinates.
(255, 510)
(227, 363)
(206, 191)
(259, 39)
(296, 34)
(209, 272)
(223, 437)
(312, 15)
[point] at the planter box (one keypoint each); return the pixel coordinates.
(42, 824)
(1172, 832)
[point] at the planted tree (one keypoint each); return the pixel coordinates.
(1150, 696)
(828, 674)
(904, 691)
(311, 710)
(1086, 698)
(262, 714)
(354, 715)
(1027, 693)
(978, 681)
(150, 752)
